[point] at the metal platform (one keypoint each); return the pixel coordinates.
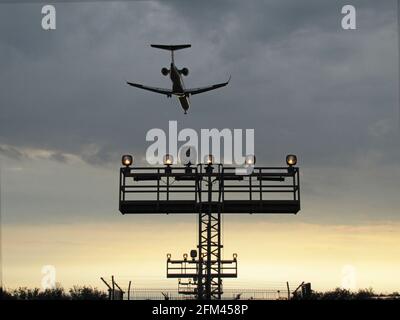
(228, 206)
(266, 190)
(188, 268)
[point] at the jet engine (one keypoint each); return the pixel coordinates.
(164, 71)
(184, 71)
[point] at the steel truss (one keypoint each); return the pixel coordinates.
(212, 190)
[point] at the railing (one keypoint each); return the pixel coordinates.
(282, 181)
(188, 268)
(183, 190)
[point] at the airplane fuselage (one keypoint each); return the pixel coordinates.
(175, 74)
(178, 87)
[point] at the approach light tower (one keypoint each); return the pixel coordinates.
(208, 190)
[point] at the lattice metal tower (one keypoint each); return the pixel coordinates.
(209, 191)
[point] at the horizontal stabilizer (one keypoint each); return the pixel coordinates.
(171, 47)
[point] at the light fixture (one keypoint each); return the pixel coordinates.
(209, 159)
(250, 160)
(291, 160)
(193, 254)
(185, 256)
(168, 159)
(127, 160)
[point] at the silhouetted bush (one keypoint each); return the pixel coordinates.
(24, 293)
(344, 294)
(337, 294)
(87, 293)
(364, 294)
(5, 295)
(395, 295)
(58, 293)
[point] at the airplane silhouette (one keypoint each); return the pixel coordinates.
(178, 87)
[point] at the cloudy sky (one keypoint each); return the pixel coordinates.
(302, 82)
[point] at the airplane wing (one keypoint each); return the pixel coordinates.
(208, 88)
(167, 92)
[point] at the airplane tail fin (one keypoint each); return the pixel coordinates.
(171, 47)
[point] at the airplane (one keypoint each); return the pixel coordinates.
(178, 87)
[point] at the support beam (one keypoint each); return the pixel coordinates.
(208, 191)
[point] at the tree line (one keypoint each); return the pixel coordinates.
(58, 293)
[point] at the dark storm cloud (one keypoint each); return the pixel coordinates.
(297, 78)
(304, 84)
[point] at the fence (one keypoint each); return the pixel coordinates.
(229, 294)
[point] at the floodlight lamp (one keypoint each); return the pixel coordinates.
(234, 256)
(250, 160)
(168, 256)
(168, 159)
(185, 256)
(127, 160)
(291, 160)
(209, 159)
